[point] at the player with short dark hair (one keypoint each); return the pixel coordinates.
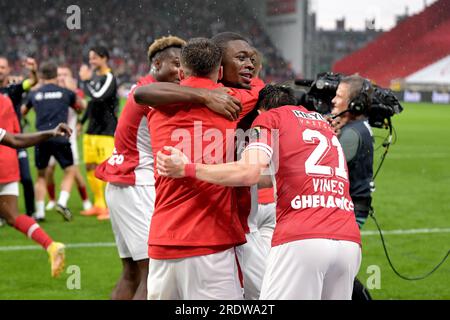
(200, 57)
(316, 244)
(236, 61)
(130, 192)
(201, 242)
(100, 86)
(237, 65)
(10, 137)
(15, 92)
(51, 104)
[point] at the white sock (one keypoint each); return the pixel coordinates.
(40, 209)
(63, 198)
(87, 205)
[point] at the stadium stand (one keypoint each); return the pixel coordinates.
(413, 44)
(126, 28)
(436, 74)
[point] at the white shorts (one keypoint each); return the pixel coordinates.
(131, 209)
(313, 269)
(74, 148)
(209, 277)
(9, 189)
(266, 222)
(252, 258)
(252, 220)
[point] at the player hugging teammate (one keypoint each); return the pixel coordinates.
(188, 226)
(197, 225)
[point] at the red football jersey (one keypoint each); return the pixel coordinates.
(193, 217)
(313, 198)
(132, 160)
(9, 162)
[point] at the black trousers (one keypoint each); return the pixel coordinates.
(360, 293)
(26, 181)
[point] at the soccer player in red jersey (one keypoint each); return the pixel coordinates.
(238, 69)
(130, 192)
(191, 246)
(315, 250)
(10, 137)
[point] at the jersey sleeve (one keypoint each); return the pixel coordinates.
(16, 124)
(29, 101)
(248, 99)
(10, 116)
(264, 132)
(26, 85)
(19, 88)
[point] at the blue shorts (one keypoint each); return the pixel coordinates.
(57, 147)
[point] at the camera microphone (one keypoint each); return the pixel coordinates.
(340, 114)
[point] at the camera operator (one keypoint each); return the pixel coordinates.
(350, 105)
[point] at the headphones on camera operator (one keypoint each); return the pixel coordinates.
(361, 102)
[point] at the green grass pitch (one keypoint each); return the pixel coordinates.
(412, 192)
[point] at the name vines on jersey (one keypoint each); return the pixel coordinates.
(328, 191)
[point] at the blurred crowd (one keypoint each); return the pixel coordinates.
(38, 29)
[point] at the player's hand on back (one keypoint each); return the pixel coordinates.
(62, 130)
(170, 162)
(336, 123)
(222, 103)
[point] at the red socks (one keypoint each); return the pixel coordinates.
(32, 230)
(51, 191)
(83, 193)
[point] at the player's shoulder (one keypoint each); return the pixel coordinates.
(142, 81)
(4, 98)
(14, 87)
(285, 110)
(6, 102)
(58, 88)
(109, 72)
(66, 91)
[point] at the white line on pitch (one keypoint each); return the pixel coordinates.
(70, 246)
(112, 244)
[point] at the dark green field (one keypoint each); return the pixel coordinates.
(412, 192)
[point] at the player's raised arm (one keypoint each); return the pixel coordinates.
(33, 79)
(169, 95)
(245, 172)
(24, 140)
